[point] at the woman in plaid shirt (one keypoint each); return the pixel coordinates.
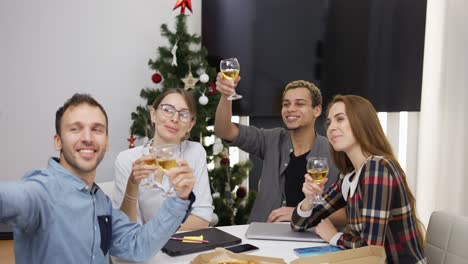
(372, 188)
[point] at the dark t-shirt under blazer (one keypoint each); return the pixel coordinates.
(273, 147)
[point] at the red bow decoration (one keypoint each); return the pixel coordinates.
(131, 140)
(182, 4)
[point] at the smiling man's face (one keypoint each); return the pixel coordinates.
(83, 140)
(297, 110)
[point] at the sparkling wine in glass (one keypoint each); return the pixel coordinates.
(148, 151)
(166, 156)
(230, 69)
(317, 168)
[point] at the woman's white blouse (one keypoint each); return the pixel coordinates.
(150, 200)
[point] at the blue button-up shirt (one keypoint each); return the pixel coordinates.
(57, 218)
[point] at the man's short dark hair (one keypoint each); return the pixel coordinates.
(315, 94)
(77, 99)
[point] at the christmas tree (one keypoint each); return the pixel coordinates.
(175, 66)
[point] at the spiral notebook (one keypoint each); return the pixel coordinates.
(279, 231)
(216, 238)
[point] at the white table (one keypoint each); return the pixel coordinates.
(267, 248)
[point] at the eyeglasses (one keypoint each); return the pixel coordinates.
(168, 111)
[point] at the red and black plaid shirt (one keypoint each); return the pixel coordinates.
(379, 213)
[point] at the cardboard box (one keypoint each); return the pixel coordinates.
(222, 255)
(364, 255)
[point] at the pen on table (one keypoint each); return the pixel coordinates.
(190, 240)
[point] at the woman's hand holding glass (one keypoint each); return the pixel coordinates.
(311, 190)
(142, 168)
(313, 187)
(150, 160)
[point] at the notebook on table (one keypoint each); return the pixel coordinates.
(314, 251)
(280, 231)
(214, 236)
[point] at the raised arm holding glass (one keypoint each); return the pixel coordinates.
(284, 151)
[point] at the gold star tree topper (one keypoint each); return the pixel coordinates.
(189, 80)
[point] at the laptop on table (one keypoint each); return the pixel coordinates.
(280, 231)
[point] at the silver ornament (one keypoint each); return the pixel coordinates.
(203, 100)
(204, 78)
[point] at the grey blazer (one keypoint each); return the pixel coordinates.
(273, 147)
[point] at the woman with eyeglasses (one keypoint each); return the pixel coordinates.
(173, 115)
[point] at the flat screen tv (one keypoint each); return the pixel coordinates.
(369, 48)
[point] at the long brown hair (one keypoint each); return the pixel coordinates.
(368, 132)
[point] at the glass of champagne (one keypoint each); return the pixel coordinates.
(317, 168)
(148, 151)
(230, 69)
(166, 156)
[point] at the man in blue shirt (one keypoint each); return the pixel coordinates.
(59, 215)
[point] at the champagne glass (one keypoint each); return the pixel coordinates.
(148, 151)
(166, 156)
(230, 69)
(317, 168)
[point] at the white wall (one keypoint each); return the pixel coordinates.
(443, 144)
(401, 129)
(51, 49)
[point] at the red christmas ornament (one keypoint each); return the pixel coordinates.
(211, 88)
(131, 140)
(182, 4)
(241, 192)
(156, 78)
(224, 161)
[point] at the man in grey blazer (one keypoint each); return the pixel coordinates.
(284, 151)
